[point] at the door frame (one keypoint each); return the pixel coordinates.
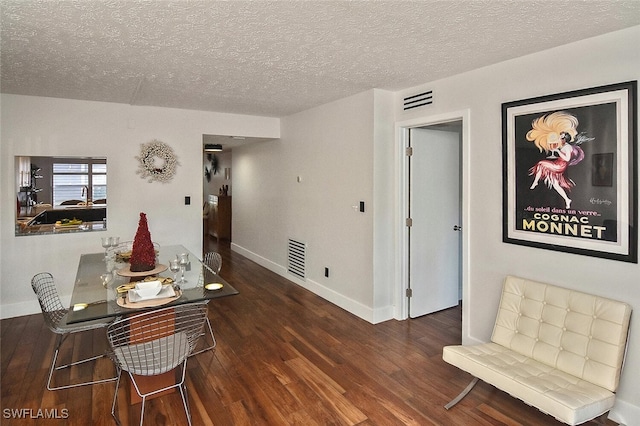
(402, 186)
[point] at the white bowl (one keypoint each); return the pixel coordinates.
(148, 288)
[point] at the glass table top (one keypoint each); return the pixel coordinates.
(95, 294)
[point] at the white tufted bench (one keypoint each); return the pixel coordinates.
(556, 349)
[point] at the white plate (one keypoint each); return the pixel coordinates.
(213, 286)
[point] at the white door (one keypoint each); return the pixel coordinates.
(434, 206)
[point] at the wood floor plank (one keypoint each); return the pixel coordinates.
(284, 356)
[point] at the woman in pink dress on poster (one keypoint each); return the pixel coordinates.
(552, 133)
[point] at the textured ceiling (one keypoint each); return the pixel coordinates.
(273, 58)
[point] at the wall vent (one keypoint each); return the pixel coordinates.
(297, 258)
(421, 99)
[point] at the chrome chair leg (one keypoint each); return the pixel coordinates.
(185, 402)
(183, 395)
(213, 340)
(115, 399)
(59, 340)
(144, 399)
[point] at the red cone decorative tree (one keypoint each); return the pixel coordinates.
(143, 254)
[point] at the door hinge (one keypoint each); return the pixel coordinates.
(409, 151)
(409, 292)
(409, 222)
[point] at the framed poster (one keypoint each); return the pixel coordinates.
(570, 172)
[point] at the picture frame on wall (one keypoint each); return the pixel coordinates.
(570, 172)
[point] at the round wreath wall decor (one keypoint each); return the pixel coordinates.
(157, 161)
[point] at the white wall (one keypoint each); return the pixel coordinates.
(384, 207)
(331, 150)
(603, 60)
(35, 126)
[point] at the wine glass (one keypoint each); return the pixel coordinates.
(174, 266)
(115, 241)
(111, 250)
(106, 243)
(183, 259)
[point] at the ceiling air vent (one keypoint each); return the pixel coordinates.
(296, 258)
(421, 99)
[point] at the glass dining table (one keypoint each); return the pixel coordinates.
(102, 283)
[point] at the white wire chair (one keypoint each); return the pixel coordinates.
(153, 343)
(213, 262)
(55, 316)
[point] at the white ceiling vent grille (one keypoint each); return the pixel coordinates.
(421, 99)
(297, 258)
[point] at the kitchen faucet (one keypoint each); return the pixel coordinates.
(85, 192)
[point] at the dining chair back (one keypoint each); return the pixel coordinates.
(53, 311)
(153, 343)
(55, 316)
(213, 260)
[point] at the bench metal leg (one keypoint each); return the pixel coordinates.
(462, 394)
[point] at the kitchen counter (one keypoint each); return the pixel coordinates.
(23, 229)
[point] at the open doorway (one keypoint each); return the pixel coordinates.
(217, 187)
(217, 178)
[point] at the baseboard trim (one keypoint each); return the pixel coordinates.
(624, 413)
(356, 308)
(13, 310)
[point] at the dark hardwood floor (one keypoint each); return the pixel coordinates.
(284, 357)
